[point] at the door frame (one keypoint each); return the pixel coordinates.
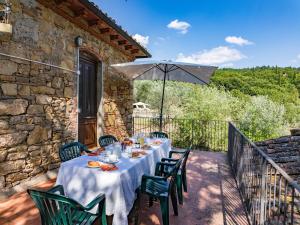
(87, 54)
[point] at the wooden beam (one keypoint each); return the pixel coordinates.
(133, 51)
(79, 12)
(104, 30)
(65, 14)
(122, 42)
(114, 37)
(93, 22)
(127, 47)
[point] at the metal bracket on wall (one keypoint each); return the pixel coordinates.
(5, 10)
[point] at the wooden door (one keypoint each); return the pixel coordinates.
(87, 127)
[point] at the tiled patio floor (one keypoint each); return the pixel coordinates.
(212, 198)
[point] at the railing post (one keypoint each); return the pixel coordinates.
(230, 143)
(192, 133)
(263, 192)
(132, 126)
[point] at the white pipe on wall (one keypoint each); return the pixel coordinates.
(38, 62)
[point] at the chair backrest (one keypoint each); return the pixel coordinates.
(185, 158)
(71, 151)
(158, 134)
(173, 173)
(106, 140)
(56, 209)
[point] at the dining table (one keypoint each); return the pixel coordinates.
(83, 184)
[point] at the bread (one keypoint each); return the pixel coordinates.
(93, 164)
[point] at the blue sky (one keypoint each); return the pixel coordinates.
(231, 33)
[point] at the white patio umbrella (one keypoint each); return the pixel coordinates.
(166, 70)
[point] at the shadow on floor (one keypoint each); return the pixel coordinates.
(212, 198)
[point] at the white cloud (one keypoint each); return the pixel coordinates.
(143, 40)
(226, 65)
(161, 38)
(182, 26)
(215, 56)
(296, 60)
(238, 40)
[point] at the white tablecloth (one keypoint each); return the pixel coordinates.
(83, 184)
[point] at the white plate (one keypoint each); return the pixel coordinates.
(93, 167)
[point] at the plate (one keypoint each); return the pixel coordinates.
(92, 166)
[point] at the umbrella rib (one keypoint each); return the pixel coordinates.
(146, 71)
(171, 70)
(157, 66)
(192, 75)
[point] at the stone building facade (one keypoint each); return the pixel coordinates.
(38, 103)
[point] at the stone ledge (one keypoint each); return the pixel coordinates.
(6, 193)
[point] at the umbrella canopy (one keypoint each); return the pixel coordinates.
(166, 70)
(176, 71)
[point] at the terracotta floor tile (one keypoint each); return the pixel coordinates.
(212, 198)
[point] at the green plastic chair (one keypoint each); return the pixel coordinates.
(181, 180)
(72, 150)
(106, 140)
(158, 134)
(182, 170)
(57, 209)
(162, 188)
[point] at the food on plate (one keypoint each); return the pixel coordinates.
(107, 167)
(93, 164)
(138, 153)
(127, 142)
(135, 154)
(96, 152)
(157, 142)
(146, 147)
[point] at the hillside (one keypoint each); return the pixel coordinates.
(265, 100)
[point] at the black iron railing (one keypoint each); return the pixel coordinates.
(269, 194)
(201, 134)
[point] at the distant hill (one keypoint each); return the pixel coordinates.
(281, 85)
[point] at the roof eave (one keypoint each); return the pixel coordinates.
(111, 23)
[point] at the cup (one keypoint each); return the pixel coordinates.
(113, 158)
(128, 151)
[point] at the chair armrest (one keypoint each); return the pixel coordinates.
(155, 178)
(58, 188)
(94, 202)
(169, 160)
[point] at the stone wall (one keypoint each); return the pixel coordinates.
(285, 151)
(38, 103)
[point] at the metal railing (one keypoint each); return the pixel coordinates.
(270, 195)
(201, 134)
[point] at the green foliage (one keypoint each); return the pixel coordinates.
(279, 84)
(262, 118)
(264, 100)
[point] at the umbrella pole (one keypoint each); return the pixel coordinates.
(162, 101)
